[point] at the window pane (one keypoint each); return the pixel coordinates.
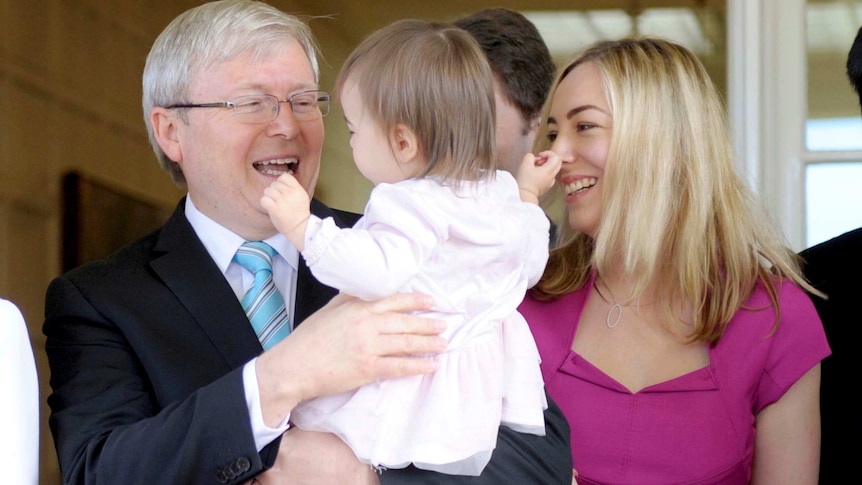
(832, 26)
(842, 134)
(833, 191)
(833, 195)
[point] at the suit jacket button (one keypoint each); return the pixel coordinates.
(242, 464)
(221, 476)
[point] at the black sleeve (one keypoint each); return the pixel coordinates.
(106, 419)
(519, 459)
(833, 267)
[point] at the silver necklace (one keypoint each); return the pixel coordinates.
(615, 314)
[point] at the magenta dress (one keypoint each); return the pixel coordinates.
(695, 429)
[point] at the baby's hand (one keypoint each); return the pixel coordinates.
(536, 174)
(288, 205)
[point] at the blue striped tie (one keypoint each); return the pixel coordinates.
(263, 304)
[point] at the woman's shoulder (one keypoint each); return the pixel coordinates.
(794, 303)
(786, 341)
(758, 315)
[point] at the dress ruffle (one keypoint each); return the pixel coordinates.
(447, 421)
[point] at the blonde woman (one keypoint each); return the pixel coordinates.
(671, 320)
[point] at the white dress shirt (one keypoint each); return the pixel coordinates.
(19, 410)
(222, 243)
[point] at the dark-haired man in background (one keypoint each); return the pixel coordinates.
(523, 72)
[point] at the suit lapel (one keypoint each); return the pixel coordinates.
(188, 270)
(311, 294)
(184, 265)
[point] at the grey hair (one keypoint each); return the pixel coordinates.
(207, 35)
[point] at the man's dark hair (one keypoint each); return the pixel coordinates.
(854, 65)
(518, 56)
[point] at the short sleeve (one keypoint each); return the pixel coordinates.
(797, 345)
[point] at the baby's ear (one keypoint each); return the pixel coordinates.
(405, 143)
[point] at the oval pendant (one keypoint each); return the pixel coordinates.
(619, 313)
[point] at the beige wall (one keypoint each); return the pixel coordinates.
(70, 77)
(69, 97)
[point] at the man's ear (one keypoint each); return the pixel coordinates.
(534, 124)
(405, 143)
(531, 132)
(166, 131)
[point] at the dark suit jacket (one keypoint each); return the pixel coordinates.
(835, 268)
(146, 349)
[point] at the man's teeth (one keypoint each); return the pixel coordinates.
(580, 185)
(276, 167)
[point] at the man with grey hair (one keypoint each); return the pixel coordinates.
(159, 370)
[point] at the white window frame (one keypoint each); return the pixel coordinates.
(767, 103)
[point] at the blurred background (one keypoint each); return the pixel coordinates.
(78, 178)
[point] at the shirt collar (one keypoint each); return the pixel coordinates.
(222, 243)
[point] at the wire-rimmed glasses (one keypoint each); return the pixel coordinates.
(263, 108)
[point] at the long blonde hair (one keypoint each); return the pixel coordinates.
(675, 212)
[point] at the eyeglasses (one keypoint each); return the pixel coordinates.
(263, 108)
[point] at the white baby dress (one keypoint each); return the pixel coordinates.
(476, 249)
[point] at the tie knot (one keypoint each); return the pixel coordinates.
(255, 256)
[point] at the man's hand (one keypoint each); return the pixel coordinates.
(288, 205)
(536, 175)
(344, 345)
(307, 457)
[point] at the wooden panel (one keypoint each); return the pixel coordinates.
(99, 219)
